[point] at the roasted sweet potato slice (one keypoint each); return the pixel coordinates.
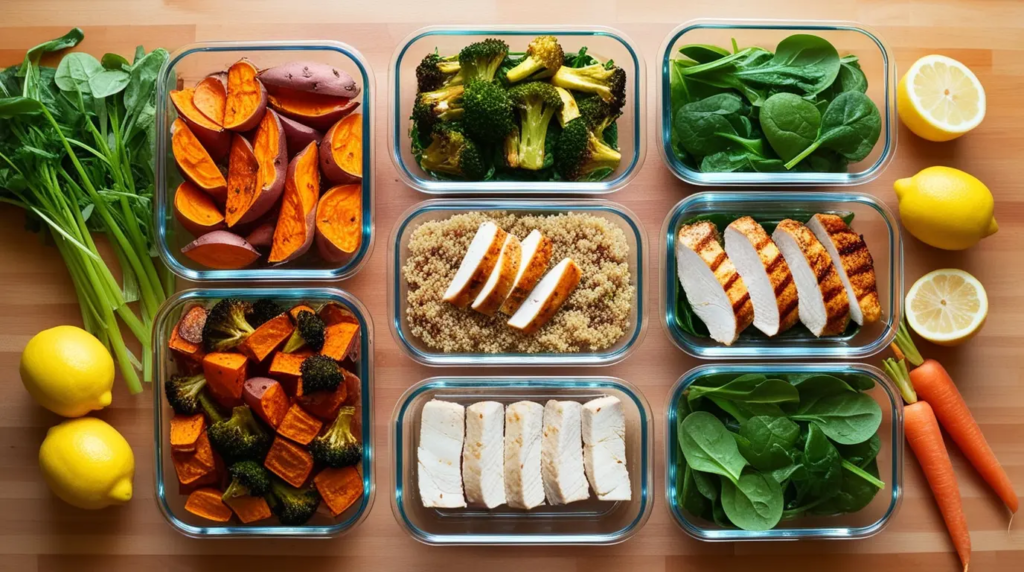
(196, 210)
(339, 222)
(247, 98)
(341, 151)
(221, 250)
(296, 223)
(210, 133)
(243, 178)
(340, 488)
(311, 109)
(211, 97)
(271, 150)
(267, 338)
(195, 163)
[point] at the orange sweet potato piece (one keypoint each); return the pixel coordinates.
(211, 97)
(249, 509)
(267, 338)
(285, 368)
(210, 133)
(191, 324)
(324, 404)
(296, 310)
(266, 398)
(339, 222)
(199, 463)
(340, 339)
(221, 250)
(299, 426)
(296, 223)
(196, 210)
(206, 503)
(341, 151)
(271, 149)
(246, 97)
(289, 461)
(311, 109)
(195, 162)
(340, 488)
(189, 352)
(225, 375)
(334, 313)
(243, 178)
(185, 432)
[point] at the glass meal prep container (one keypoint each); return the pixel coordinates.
(170, 498)
(585, 522)
(876, 60)
(861, 524)
(601, 42)
(871, 218)
(189, 65)
(398, 252)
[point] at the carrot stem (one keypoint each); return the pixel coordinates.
(906, 344)
(897, 371)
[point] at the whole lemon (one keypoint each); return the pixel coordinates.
(87, 463)
(68, 371)
(946, 208)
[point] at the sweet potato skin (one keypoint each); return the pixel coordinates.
(339, 209)
(313, 110)
(195, 163)
(221, 250)
(298, 135)
(341, 151)
(262, 236)
(209, 132)
(196, 210)
(246, 97)
(271, 152)
(296, 224)
(313, 77)
(266, 398)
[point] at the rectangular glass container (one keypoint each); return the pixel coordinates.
(862, 524)
(872, 219)
(602, 42)
(398, 251)
(876, 60)
(584, 522)
(168, 496)
(190, 64)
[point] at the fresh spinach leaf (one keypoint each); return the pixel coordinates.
(854, 495)
(821, 470)
(74, 72)
(783, 474)
(754, 502)
(15, 106)
(766, 441)
(861, 454)
(804, 62)
(719, 516)
(689, 497)
(750, 146)
(750, 388)
(703, 53)
(69, 40)
(850, 126)
(707, 484)
(112, 61)
(815, 387)
(108, 82)
(698, 122)
(790, 124)
(725, 162)
(709, 447)
(847, 419)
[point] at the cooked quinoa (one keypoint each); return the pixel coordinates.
(594, 317)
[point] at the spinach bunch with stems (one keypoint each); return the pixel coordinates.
(76, 152)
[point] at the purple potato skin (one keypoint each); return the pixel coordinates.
(221, 237)
(312, 77)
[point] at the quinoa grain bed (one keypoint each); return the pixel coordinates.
(594, 317)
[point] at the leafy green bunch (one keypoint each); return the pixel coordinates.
(76, 153)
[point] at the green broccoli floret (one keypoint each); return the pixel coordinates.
(320, 373)
(338, 447)
(609, 84)
(510, 148)
(310, 331)
(292, 506)
(537, 103)
(183, 392)
(544, 56)
(248, 478)
(263, 310)
(240, 437)
(226, 325)
(481, 60)
(435, 72)
(579, 152)
(453, 153)
(599, 115)
(445, 104)
(487, 114)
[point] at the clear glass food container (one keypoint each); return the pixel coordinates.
(601, 42)
(584, 522)
(189, 65)
(398, 252)
(168, 496)
(862, 524)
(876, 60)
(872, 219)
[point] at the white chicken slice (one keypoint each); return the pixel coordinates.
(499, 284)
(765, 274)
(547, 297)
(535, 254)
(604, 449)
(483, 456)
(442, 429)
(524, 423)
(824, 307)
(476, 265)
(561, 464)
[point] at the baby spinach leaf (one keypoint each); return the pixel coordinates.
(703, 53)
(802, 61)
(855, 472)
(725, 162)
(790, 123)
(112, 61)
(64, 42)
(108, 82)
(708, 446)
(815, 387)
(707, 484)
(753, 503)
(852, 78)
(846, 418)
(689, 497)
(751, 146)
(861, 454)
(821, 472)
(699, 121)
(850, 126)
(853, 495)
(741, 411)
(783, 474)
(765, 441)
(14, 106)
(750, 388)
(74, 72)
(719, 516)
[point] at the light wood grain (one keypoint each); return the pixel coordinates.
(38, 532)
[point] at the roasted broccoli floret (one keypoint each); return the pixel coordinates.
(599, 115)
(227, 325)
(435, 72)
(579, 152)
(248, 478)
(240, 437)
(264, 310)
(338, 447)
(481, 60)
(453, 153)
(292, 506)
(537, 103)
(183, 392)
(511, 148)
(609, 84)
(487, 111)
(310, 331)
(320, 373)
(544, 56)
(444, 103)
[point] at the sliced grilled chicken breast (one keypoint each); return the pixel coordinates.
(824, 307)
(523, 427)
(500, 282)
(476, 266)
(765, 274)
(483, 456)
(712, 286)
(854, 264)
(442, 430)
(545, 300)
(604, 449)
(535, 254)
(561, 465)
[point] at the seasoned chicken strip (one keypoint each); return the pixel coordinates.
(765, 274)
(824, 307)
(854, 264)
(476, 266)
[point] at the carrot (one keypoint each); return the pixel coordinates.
(924, 437)
(299, 426)
(267, 338)
(208, 504)
(249, 509)
(289, 461)
(934, 385)
(340, 488)
(185, 432)
(225, 374)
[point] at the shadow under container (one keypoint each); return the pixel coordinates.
(601, 42)
(585, 522)
(172, 502)
(438, 209)
(865, 523)
(871, 219)
(849, 38)
(189, 65)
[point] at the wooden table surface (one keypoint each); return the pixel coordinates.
(38, 532)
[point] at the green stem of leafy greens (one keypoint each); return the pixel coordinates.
(863, 474)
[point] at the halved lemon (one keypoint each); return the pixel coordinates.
(940, 98)
(947, 307)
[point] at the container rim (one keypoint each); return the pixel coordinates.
(162, 215)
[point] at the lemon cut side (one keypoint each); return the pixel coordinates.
(940, 98)
(947, 307)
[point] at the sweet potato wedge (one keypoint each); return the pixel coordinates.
(206, 503)
(246, 99)
(339, 222)
(266, 398)
(209, 132)
(196, 210)
(333, 313)
(311, 109)
(286, 368)
(225, 376)
(324, 404)
(341, 151)
(189, 353)
(340, 339)
(192, 323)
(340, 488)
(194, 465)
(243, 180)
(195, 162)
(296, 310)
(185, 432)
(299, 426)
(289, 461)
(221, 250)
(211, 97)
(297, 221)
(272, 154)
(298, 135)
(249, 509)
(312, 77)
(262, 236)
(267, 338)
